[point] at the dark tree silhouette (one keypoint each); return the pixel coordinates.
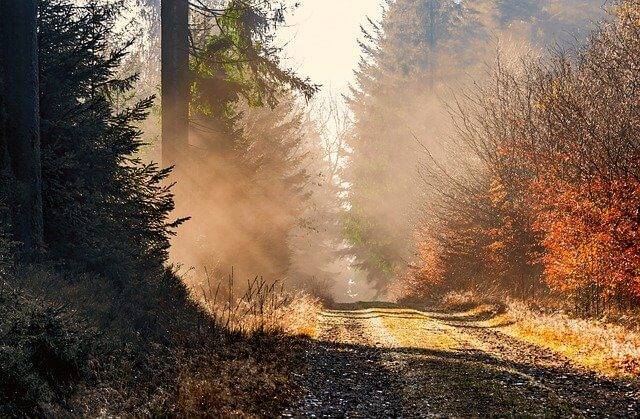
(175, 79)
(21, 163)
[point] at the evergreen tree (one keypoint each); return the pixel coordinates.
(248, 191)
(243, 177)
(316, 241)
(103, 208)
(400, 65)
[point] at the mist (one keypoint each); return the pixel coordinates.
(420, 65)
(336, 208)
(362, 208)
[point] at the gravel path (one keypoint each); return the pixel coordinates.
(391, 362)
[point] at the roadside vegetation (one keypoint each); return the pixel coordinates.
(612, 349)
(68, 345)
(407, 165)
(609, 346)
(525, 188)
(544, 204)
(94, 319)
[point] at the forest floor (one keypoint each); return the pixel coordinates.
(382, 360)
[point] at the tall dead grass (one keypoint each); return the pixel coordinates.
(260, 307)
(69, 345)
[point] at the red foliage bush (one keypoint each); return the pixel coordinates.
(590, 236)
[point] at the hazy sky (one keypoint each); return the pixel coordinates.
(322, 36)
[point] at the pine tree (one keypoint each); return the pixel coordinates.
(103, 208)
(244, 182)
(400, 66)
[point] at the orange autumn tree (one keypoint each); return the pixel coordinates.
(590, 236)
(472, 238)
(550, 191)
(585, 191)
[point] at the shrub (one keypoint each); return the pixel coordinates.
(43, 352)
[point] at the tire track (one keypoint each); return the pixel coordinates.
(393, 362)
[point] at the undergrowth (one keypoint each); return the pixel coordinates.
(69, 344)
(608, 348)
(260, 307)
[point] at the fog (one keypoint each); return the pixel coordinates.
(328, 196)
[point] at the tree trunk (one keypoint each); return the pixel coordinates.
(175, 80)
(19, 51)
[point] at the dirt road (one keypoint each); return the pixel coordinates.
(384, 361)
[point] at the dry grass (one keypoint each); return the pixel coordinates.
(250, 376)
(292, 314)
(262, 307)
(609, 349)
(300, 316)
(245, 379)
(468, 301)
(150, 350)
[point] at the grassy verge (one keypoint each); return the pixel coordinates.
(607, 348)
(611, 349)
(76, 344)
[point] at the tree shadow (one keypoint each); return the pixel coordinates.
(365, 381)
(360, 380)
